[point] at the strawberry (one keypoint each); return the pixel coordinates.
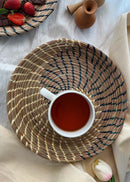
(17, 18)
(29, 8)
(12, 4)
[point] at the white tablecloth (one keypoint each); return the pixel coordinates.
(60, 24)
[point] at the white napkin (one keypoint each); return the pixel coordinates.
(18, 164)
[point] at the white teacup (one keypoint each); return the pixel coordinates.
(54, 98)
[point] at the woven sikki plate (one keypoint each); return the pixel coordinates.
(41, 13)
(62, 65)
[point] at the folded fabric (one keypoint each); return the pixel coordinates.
(18, 164)
(119, 52)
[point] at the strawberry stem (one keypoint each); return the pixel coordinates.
(12, 12)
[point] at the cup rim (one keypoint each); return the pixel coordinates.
(79, 132)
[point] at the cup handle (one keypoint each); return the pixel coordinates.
(47, 94)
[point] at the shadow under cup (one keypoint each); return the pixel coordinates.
(71, 113)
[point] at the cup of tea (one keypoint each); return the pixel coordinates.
(71, 113)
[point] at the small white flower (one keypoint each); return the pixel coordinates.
(102, 170)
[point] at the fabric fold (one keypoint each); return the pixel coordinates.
(18, 164)
(119, 53)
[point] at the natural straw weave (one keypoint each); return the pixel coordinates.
(41, 13)
(60, 65)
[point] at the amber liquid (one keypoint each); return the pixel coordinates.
(70, 112)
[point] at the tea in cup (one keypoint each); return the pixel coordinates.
(71, 113)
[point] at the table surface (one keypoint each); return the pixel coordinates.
(60, 24)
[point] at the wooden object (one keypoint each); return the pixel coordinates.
(85, 15)
(73, 7)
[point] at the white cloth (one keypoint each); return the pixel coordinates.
(120, 54)
(17, 163)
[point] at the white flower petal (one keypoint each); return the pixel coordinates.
(102, 170)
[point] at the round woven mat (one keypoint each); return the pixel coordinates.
(60, 65)
(42, 12)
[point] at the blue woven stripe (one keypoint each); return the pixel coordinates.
(92, 59)
(109, 65)
(23, 29)
(101, 65)
(116, 110)
(80, 77)
(113, 118)
(60, 71)
(51, 65)
(83, 157)
(98, 93)
(50, 71)
(93, 54)
(98, 146)
(103, 142)
(37, 21)
(122, 94)
(5, 31)
(108, 77)
(52, 2)
(14, 30)
(94, 65)
(85, 83)
(65, 69)
(79, 51)
(111, 132)
(42, 10)
(94, 151)
(30, 25)
(71, 63)
(87, 47)
(112, 124)
(58, 66)
(89, 154)
(73, 51)
(116, 104)
(52, 81)
(101, 98)
(109, 139)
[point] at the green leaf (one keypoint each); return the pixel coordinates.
(3, 11)
(112, 179)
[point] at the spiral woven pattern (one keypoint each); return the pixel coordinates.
(62, 65)
(41, 13)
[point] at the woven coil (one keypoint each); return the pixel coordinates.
(41, 13)
(62, 65)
